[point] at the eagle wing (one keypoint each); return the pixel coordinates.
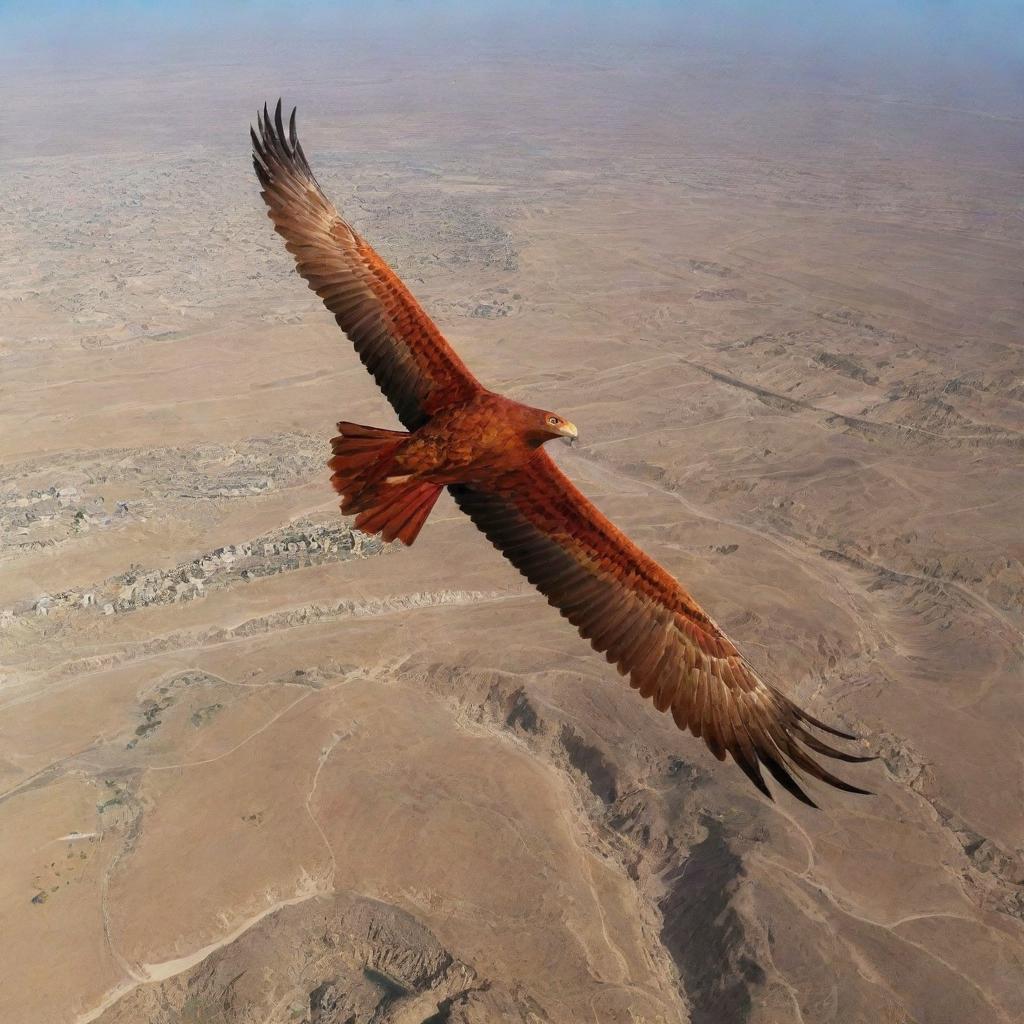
(398, 343)
(645, 623)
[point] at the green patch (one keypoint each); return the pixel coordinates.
(203, 715)
(151, 711)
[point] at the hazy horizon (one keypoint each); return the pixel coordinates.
(953, 38)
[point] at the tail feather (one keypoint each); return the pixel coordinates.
(360, 430)
(399, 511)
(410, 528)
(395, 506)
(362, 456)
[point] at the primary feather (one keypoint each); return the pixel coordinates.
(399, 344)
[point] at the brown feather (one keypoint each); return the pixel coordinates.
(401, 347)
(622, 601)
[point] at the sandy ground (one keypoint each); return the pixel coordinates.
(785, 314)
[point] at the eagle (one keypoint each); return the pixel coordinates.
(488, 451)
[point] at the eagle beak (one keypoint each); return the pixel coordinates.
(570, 434)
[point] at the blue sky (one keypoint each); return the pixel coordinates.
(944, 25)
(948, 40)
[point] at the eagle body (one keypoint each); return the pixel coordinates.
(488, 451)
(475, 441)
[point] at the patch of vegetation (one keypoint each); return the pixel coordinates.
(203, 715)
(151, 711)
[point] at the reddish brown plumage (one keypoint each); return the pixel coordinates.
(488, 451)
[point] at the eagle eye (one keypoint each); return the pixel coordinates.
(553, 420)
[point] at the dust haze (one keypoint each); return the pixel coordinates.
(255, 767)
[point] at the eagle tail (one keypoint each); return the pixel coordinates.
(395, 506)
(398, 510)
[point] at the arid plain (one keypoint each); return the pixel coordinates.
(255, 769)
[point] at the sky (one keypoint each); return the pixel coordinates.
(953, 54)
(942, 31)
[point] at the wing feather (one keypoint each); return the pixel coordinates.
(647, 625)
(398, 343)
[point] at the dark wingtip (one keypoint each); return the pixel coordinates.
(846, 787)
(282, 138)
(781, 774)
(785, 753)
(275, 144)
(825, 728)
(812, 741)
(750, 767)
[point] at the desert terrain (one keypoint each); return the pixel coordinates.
(257, 768)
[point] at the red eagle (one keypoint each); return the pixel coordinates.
(488, 451)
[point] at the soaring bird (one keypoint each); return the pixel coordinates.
(489, 452)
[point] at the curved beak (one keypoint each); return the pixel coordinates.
(569, 434)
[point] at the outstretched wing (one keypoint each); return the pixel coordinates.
(398, 343)
(644, 622)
